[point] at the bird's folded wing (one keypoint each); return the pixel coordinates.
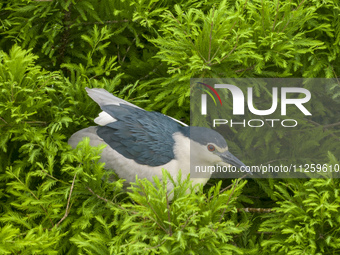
(102, 97)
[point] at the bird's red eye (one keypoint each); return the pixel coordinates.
(211, 147)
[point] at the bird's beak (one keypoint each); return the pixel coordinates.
(230, 159)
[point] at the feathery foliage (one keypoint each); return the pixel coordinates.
(55, 200)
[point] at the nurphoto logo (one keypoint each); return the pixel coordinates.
(296, 96)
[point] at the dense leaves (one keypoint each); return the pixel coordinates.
(307, 220)
(55, 200)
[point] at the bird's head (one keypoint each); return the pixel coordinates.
(208, 148)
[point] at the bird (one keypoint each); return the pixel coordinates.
(142, 143)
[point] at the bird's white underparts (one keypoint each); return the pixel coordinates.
(142, 143)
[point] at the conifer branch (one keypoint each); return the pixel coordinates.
(210, 35)
(68, 207)
(34, 197)
(245, 69)
(332, 125)
(154, 247)
(3, 120)
(44, 83)
(169, 218)
(188, 36)
(232, 193)
(66, 34)
(255, 210)
(325, 127)
(37, 123)
(107, 201)
(284, 15)
(153, 71)
(101, 198)
(284, 28)
(187, 221)
(232, 50)
(52, 177)
(275, 160)
(277, 13)
(225, 38)
(230, 185)
(151, 207)
(128, 49)
(103, 22)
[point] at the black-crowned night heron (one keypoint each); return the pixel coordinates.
(142, 143)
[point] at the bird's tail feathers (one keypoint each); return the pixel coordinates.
(103, 97)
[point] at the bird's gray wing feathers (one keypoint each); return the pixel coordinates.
(102, 97)
(145, 137)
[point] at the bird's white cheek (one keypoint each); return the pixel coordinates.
(182, 152)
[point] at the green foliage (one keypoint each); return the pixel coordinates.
(190, 224)
(245, 39)
(307, 220)
(165, 43)
(25, 106)
(154, 225)
(55, 200)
